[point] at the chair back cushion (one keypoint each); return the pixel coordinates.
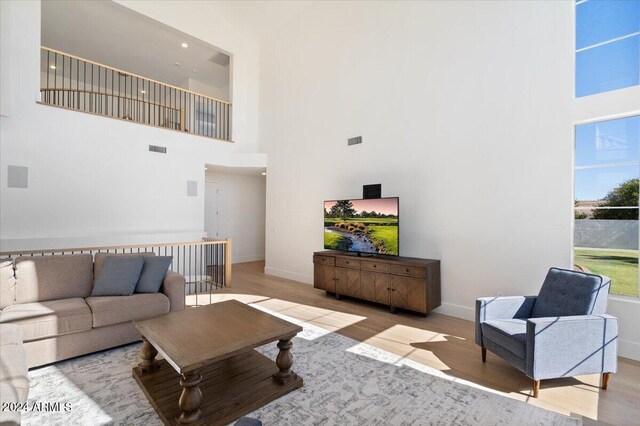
(566, 292)
(7, 283)
(53, 277)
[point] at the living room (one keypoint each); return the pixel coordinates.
(469, 113)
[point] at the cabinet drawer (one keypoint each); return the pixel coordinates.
(324, 260)
(411, 271)
(375, 266)
(348, 263)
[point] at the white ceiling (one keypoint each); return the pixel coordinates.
(108, 33)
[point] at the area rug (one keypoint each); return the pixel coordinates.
(346, 382)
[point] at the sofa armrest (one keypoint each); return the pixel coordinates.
(504, 307)
(173, 287)
(571, 346)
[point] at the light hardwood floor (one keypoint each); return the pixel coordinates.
(438, 341)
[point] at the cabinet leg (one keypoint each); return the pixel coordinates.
(337, 296)
(393, 309)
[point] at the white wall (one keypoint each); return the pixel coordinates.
(466, 110)
(241, 213)
(92, 179)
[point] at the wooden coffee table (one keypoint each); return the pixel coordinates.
(210, 373)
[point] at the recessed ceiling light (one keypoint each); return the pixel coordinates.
(177, 64)
(143, 91)
(53, 67)
(185, 45)
(206, 168)
(264, 173)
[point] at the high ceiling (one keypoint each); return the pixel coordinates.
(108, 33)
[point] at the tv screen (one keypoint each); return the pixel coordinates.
(362, 226)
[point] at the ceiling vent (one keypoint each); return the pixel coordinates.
(220, 59)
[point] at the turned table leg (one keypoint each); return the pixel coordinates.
(284, 361)
(148, 355)
(191, 398)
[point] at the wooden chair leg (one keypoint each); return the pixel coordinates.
(484, 354)
(536, 388)
(605, 380)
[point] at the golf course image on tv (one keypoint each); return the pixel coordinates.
(364, 226)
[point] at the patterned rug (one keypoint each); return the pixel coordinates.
(345, 383)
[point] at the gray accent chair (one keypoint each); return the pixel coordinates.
(562, 332)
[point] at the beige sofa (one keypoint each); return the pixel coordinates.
(50, 299)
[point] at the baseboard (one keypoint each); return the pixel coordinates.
(248, 258)
(629, 349)
(457, 311)
(306, 279)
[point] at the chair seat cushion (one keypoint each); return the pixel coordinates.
(108, 310)
(51, 318)
(509, 333)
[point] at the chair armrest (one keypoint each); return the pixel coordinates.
(504, 307)
(571, 346)
(173, 287)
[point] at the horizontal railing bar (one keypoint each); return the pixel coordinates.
(101, 248)
(130, 74)
(92, 92)
(135, 122)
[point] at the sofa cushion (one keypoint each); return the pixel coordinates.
(118, 276)
(13, 364)
(566, 293)
(49, 318)
(100, 258)
(508, 333)
(108, 310)
(7, 283)
(41, 278)
(153, 272)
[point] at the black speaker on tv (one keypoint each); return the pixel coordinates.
(372, 191)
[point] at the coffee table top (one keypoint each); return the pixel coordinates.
(195, 337)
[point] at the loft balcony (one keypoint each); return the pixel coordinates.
(79, 84)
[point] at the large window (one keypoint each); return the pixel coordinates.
(607, 45)
(607, 169)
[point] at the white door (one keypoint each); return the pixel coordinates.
(211, 196)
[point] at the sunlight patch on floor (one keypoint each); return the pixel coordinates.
(207, 299)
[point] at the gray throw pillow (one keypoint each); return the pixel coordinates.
(119, 276)
(153, 273)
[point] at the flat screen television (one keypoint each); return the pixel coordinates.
(362, 226)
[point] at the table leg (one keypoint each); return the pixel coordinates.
(191, 398)
(284, 361)
(148, 355)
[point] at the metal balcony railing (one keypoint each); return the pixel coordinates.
(72, 82)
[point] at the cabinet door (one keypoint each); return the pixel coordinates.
(348, 282)
(381, 285)
(323, 278)
(409, 293)
(353, 282)
(342, 281)
(367, 286)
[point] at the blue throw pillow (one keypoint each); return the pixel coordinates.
(119, 276)
(153, 273)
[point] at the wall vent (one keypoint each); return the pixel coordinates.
(156, 148)
(354, 141)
